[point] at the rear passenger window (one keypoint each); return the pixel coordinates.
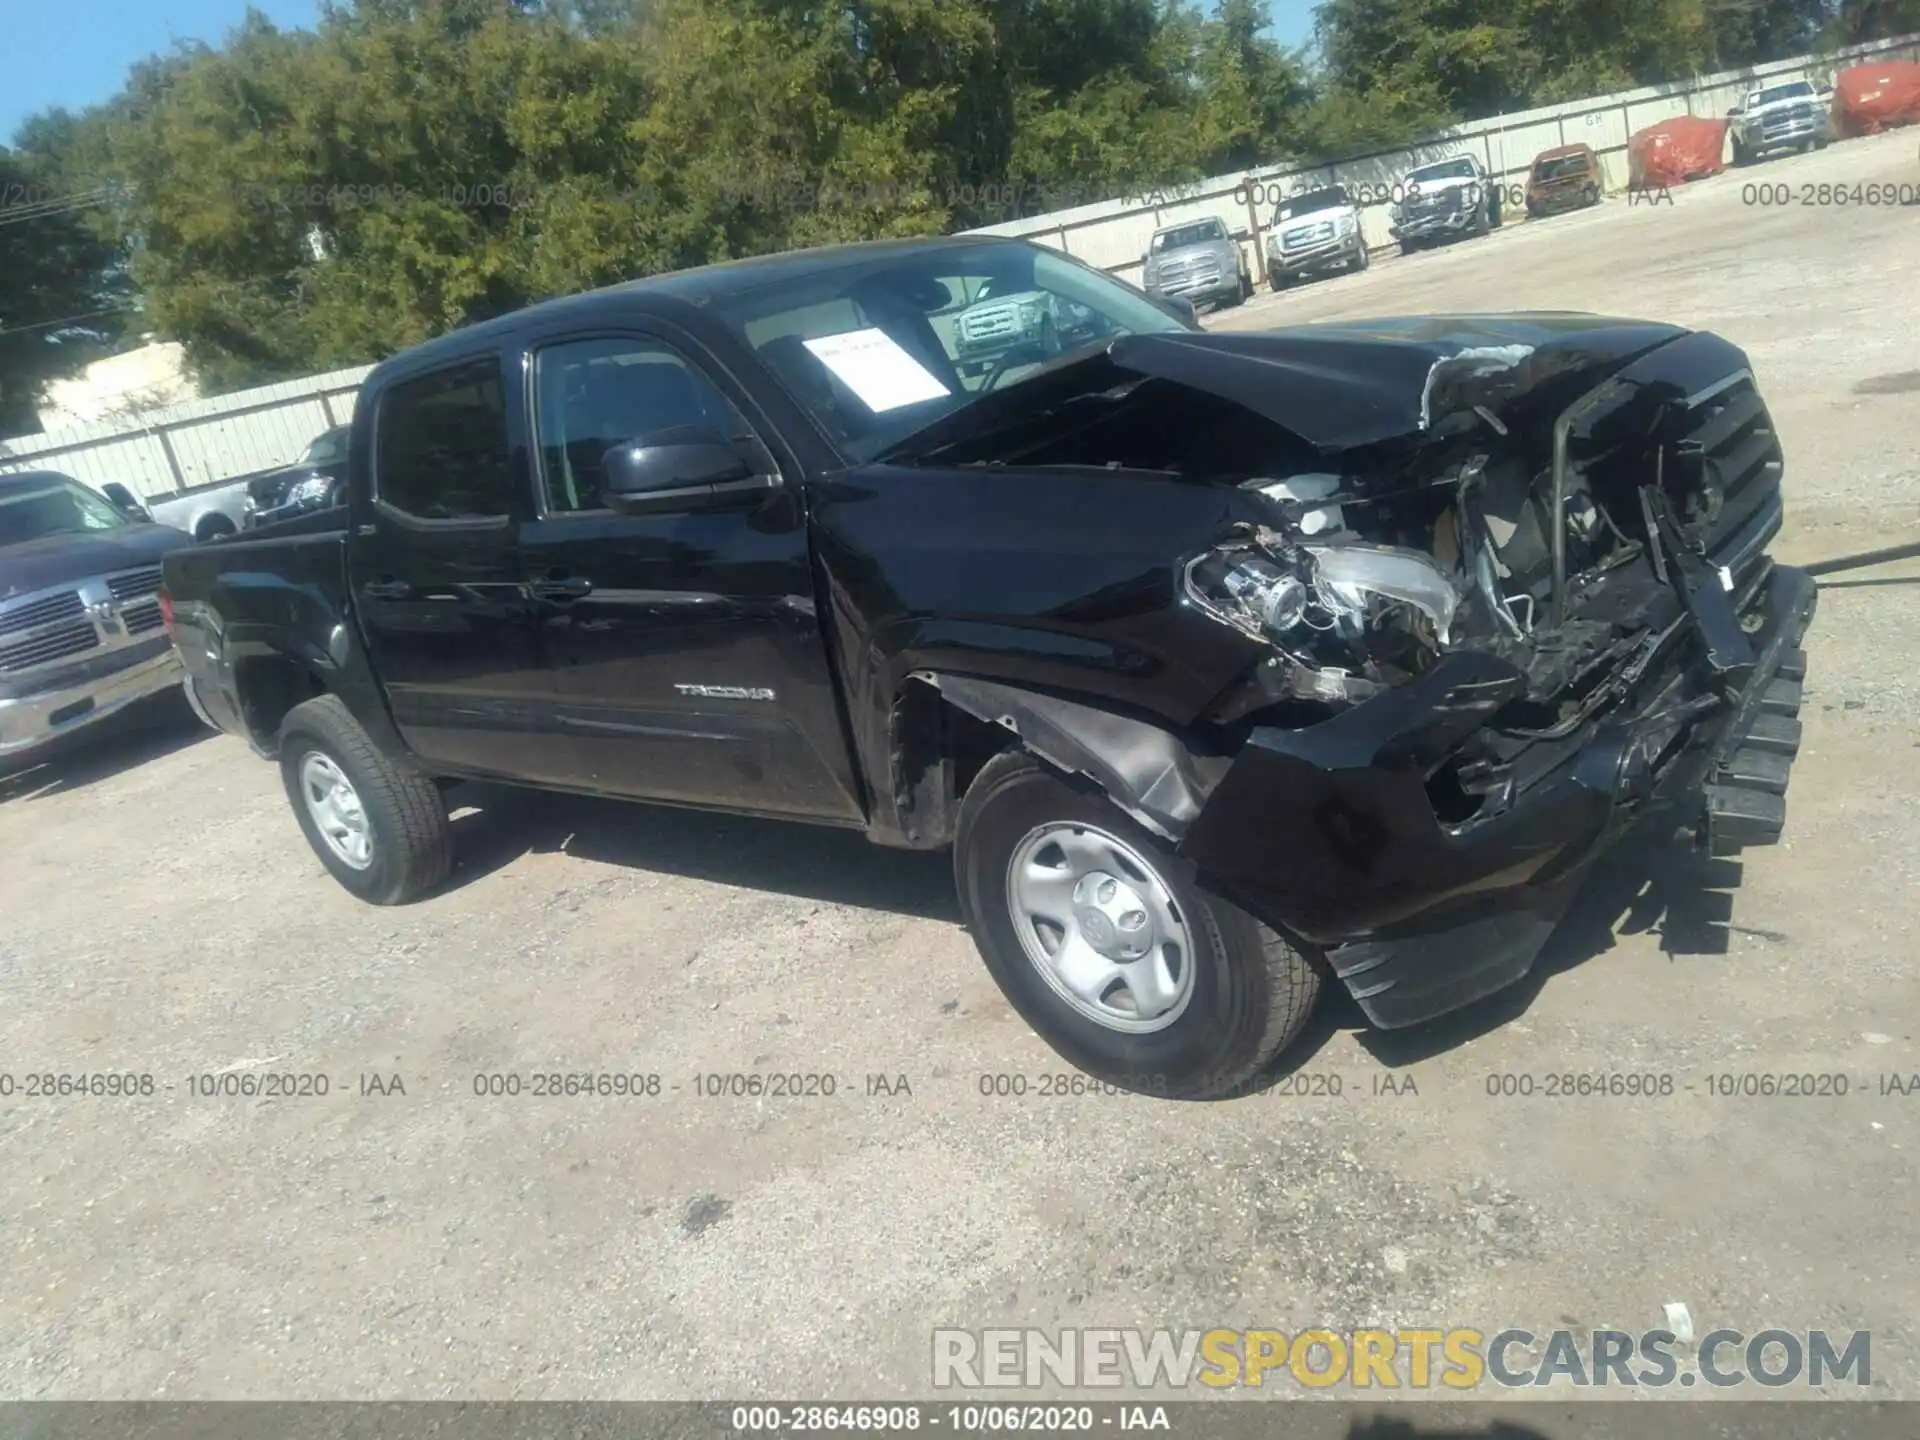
(440, 445)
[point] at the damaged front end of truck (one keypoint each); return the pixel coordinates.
(1505, 592)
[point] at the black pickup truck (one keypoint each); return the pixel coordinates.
(1229, 665)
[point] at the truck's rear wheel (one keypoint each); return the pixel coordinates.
(1098, 935)
(377, 824)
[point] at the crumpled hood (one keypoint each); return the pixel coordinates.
(1341, 385)
(55, 559)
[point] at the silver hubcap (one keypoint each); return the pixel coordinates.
(1101, 927)
(336, 810)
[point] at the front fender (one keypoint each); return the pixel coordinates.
(1063, 582)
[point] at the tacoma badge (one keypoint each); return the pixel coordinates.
(727, 692)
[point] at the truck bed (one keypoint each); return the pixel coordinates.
(278, 592)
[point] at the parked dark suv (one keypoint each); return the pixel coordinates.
(311, 482)
(1228, 665)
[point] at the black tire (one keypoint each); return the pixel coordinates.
(1408, 247)
(1252, 989)
(1494, 210)
(1590, 196)
(214, 527)
(1362, 260)
(412, 840)
(1276, 281)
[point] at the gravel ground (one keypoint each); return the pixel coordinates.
(411, 1239)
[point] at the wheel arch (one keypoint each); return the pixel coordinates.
(270, 670)
(944, 729)
(269, 683)
(213, 525)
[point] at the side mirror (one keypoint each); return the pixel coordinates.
(122, 499)
(687, 468)
(1182, 307)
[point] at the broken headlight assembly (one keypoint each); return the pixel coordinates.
(1348, 619)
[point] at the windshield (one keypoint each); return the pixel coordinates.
(327, 448)
(1559, 167)
(875, 351)
(1312, 200)
(1181, 236)
(52, 505)
(1460, 169)
(1799, 90)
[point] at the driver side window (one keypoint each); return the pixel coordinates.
(595, 394)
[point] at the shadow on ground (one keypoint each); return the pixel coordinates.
(840, 867)
(1645, 885)
(132, 738)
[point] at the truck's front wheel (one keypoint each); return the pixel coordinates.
(376, 823)
(1098, 934)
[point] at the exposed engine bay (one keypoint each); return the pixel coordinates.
(1455, 603)
(1532, 502)
(1359, 593)
(1523, 501)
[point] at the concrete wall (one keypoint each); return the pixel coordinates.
(1114, 234)
(197, 442)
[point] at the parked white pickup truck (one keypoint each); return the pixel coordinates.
(1780, 117)
(1314, 231)
(1443, 200)
(206, 512)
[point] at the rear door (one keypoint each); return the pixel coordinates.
(690, 664)
(436, 574)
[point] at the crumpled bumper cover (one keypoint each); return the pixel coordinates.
(1329, 831)
(1433, 222)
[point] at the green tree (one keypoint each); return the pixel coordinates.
(307, 199)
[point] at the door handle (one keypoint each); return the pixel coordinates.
(387, 589)
(561, 587)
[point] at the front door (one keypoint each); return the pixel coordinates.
(689, 662)
(436, 576)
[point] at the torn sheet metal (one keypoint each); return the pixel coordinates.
(1451, 376)
(1144, 770)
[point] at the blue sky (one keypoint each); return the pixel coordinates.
(76, 52)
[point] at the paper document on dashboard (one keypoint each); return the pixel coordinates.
(872, 364)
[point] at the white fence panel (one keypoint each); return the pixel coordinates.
(197, 442)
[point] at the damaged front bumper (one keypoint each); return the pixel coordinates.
(1333, 832)
(1425, 224)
